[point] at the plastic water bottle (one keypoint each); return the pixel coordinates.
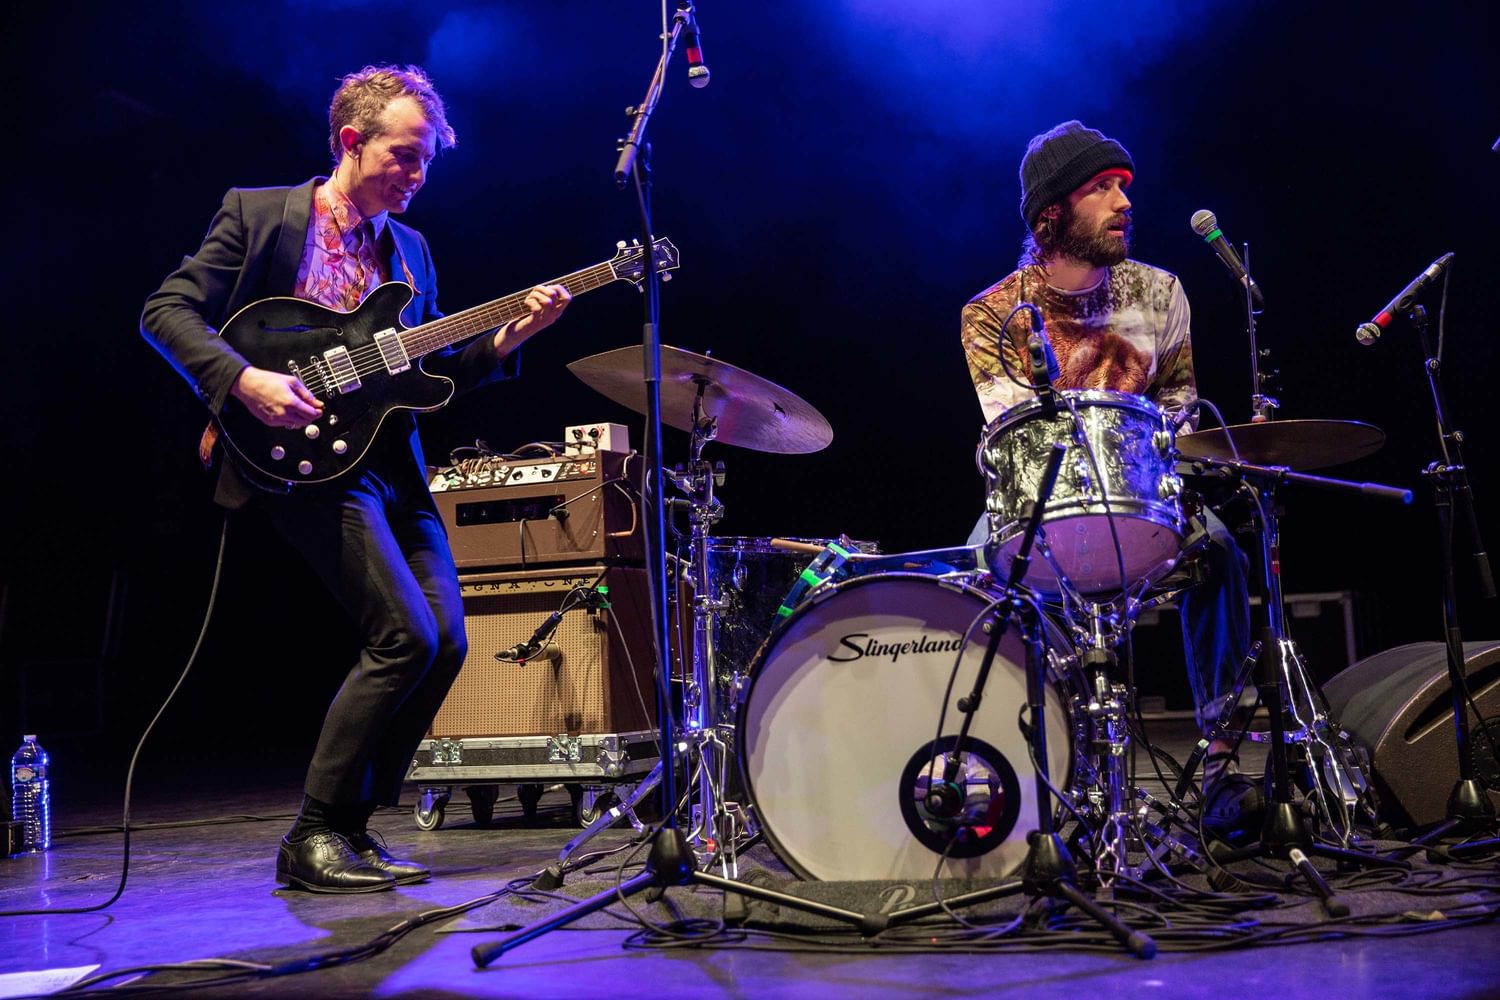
(30, 796)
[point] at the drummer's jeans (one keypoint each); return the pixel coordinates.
(1216, 622)
(1215, 617)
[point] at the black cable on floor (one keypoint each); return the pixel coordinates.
(213, 596)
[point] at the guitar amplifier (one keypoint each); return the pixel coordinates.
(595, 676)
(510, 513)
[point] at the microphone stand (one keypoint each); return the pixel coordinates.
(1261, 405)
(671, 861)
(1048, 869)
(1469, 809)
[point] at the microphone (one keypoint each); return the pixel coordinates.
(1184, 415)
(540, 646)
(1206, 226)
(1368, 333)
(524, 653)
(1041, 367)
(529, 650)
(697, 72)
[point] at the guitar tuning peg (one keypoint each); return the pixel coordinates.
(619, 244)
(640, 287)
(666, 277)
(635, 243)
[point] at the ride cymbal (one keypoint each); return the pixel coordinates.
(746, 409)
(1299, 445)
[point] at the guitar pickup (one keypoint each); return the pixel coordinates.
(341, 371)
(392, 351)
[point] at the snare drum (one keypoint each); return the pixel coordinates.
(1129, 485)
(837, 727)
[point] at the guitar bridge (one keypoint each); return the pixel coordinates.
(392, 352)
(344, 377)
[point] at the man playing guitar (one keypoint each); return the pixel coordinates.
(371, 532)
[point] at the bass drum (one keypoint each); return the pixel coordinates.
(836, 733)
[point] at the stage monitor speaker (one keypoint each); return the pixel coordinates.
(1399, 704)
(598, 680)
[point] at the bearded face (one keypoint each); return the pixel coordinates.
(1099, 239)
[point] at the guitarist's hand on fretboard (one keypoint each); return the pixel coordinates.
(276, 400)
(546, 303)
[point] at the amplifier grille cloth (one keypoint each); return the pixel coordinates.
(543, 697)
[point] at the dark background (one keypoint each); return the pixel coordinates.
(843, 186)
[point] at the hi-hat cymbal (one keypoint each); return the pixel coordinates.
(1297, 444)
(749, 411)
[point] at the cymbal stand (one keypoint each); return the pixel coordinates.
(1336, 783)
(701, 743)
(703, 695)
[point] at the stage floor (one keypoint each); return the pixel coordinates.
(201, 886)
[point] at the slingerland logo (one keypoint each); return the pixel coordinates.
(858, 645)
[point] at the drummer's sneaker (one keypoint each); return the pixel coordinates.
(1234, 806)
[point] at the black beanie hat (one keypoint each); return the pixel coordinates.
(1062, 158)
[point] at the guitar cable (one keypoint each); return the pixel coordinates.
(213, 595)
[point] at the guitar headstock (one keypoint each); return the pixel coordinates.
(626, 263)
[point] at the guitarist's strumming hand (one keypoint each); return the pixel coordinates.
(546, 303)
(275, 399)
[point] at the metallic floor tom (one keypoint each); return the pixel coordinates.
(836, 733)
(748, 579)
(1135, 490)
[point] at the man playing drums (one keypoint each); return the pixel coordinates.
(1114, 323)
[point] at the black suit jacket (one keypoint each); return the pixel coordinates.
(251, 252)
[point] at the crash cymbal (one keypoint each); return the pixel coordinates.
(1297, 444)
(749, 411)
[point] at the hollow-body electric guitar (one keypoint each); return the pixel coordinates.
(364, 365)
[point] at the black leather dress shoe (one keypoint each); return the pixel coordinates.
(324, 862)
(373, 854)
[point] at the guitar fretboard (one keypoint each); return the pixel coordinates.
(440, 333)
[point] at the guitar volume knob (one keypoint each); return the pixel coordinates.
(278, 453)
(340, 446)
(304, 467)
(312, 432)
